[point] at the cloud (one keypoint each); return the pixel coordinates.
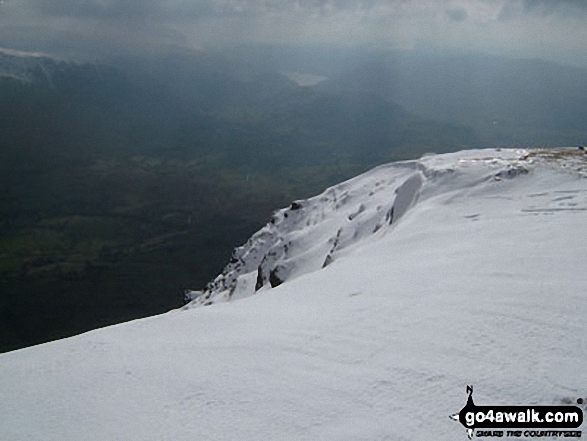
(457, 14)
(93, 8)
(556, 6)
(196, 10)
(526, 9)
(539, 28)
(124, 9)
(191, 9)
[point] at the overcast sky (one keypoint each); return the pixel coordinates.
(551, 29)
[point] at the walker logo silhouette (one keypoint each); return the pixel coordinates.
(519, 421)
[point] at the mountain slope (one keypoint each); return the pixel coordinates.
(480, 281)
(29, 66)
(139, 176)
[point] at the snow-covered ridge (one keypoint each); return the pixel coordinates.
(28, 66)
(310, 234)
(37, 67)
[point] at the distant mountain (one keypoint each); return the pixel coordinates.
(503, 101)
(39, 68)
(189, 102)
(28, 66)
(498, 100)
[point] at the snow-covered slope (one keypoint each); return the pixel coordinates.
(467, 268)
(35, 67)
(311, 234)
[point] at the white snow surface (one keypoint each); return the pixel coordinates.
(479, 279)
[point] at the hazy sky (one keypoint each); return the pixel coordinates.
(552, 29)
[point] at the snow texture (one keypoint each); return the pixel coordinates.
(465, 268)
